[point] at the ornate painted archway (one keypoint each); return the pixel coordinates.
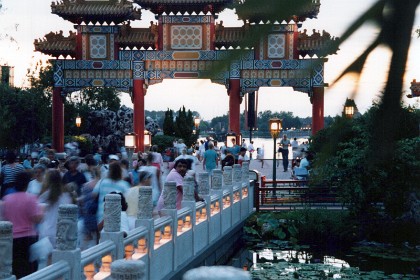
(186, 42)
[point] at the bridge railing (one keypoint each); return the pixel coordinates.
(293, 193)
(166, 244)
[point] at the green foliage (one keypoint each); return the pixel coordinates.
(85, 145)
(168, 123)
(22, 116)
(163, 141)
(182, 127)
(301, 226)
(347, 157)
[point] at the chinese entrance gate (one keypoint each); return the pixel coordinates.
(186, 42)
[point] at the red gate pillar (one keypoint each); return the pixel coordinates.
(57, 120)
(234, 106)
(317, 109)
(138, 115)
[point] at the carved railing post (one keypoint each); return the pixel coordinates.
(245, 172)
(112, 224)
(216, 180)
(237, 175)
(169, 195)
(227, 178)
(216, 272)
(145, 204)
(128, 269)
(66, 248)
(169, 202)
(6, 250)
(145, 212)
(188, 189)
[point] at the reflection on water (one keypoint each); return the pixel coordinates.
(292, 264)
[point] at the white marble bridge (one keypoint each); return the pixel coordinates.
(201, 233)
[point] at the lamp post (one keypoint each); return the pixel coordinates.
(349, 108)
(275, 128)
(197, 125)
(147, 139)
(229, 137)
(130, 145)
(78, 123)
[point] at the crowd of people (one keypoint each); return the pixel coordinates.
(33, 190)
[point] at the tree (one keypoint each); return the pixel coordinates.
(168, 123)
(343, 155)
(81, 103)
(22, 117)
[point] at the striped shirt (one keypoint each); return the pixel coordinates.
(9, 172)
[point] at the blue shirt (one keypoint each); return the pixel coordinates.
(210, 156)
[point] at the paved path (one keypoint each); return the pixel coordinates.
(267, 170)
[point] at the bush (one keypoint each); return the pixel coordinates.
(163, 142)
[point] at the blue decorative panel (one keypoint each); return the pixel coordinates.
(58, 73)
(169, 55)
(95, 64)
(97, 29)
(186, 19)
(318, 76)
(80, 83)
(138, 70)
(235, 71)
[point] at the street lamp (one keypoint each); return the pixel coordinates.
(349, 108)
(147, 139)
(78, 123)
(197, 122)
(275, 128)
(229, 139)
(130, 145)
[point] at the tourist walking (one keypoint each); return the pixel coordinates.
(210, 159)
(145, 179)
(35, 185)
(8, 174)
(22, 209)
(112, 183)
(295, 147)
(284, 149)
(54, 196)
(260, 156)
(251, 149)
(73, 177)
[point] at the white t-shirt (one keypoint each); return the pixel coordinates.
(34, 187)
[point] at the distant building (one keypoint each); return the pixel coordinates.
(7, 75)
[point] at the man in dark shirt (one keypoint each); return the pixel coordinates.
(73, 175)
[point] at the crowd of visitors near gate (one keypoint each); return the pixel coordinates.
(34, 186)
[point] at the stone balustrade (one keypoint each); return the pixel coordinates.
(163, 246)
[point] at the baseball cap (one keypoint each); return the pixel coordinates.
(113, 157)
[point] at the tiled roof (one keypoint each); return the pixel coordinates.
(256, 11)
(320, 44)
(182, 6)
(95, 12)
(55, 44)
(135, 37)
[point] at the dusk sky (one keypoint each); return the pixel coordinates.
(24, 21)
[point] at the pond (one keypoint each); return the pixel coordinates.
(361, 262)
